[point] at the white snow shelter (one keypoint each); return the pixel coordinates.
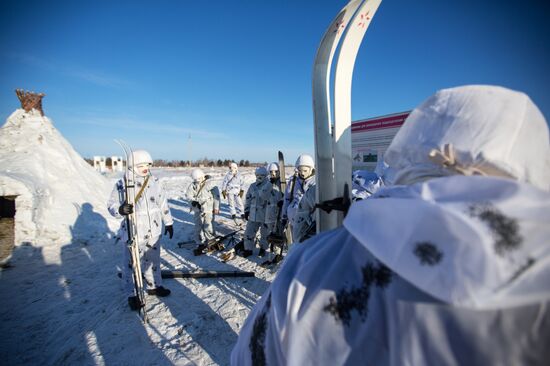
(44, 182)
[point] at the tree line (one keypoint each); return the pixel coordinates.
(200, 162)
(205, 162)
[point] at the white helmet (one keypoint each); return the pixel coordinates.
(305, 160)
(272, 166)
(233, 165)
(140, 157)
(197, 175)
(261, 171)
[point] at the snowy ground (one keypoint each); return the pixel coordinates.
(63, 304)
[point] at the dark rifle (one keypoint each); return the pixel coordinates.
(215, 243)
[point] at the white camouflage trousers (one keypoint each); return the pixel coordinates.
(235, 204)
(251, 231)
(204, 230)
(150, 267)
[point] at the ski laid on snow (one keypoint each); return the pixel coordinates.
(133, 239)
(205, 274)
(333, 129)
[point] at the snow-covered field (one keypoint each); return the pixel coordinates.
(63, 304)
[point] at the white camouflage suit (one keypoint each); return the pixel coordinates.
(233, 185)
(207, 195)
(304, 218)
(292, 199)
(271, 193)
(151, 211)
(255, 205)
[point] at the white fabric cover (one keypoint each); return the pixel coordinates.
(488, 236)
(485, 124)
(359, 295)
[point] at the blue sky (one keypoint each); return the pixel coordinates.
(236, 75)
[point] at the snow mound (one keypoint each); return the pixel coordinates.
(53, 185)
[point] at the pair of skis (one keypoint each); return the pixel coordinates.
(204, 274)
(131, 227)
(332, 128)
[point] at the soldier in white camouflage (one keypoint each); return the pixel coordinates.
(254, 212)
(151, 211)
(296, 187)
(233, 190)
(204, 197)
(272, 194)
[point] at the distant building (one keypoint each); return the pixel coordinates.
(99, 163)
(117, 165)
(370, 138)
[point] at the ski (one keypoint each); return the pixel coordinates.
(332, 132)
(133, 238)
(343, 76)
(204, 274)
(281, 232)
(282, 174)
(189, 244)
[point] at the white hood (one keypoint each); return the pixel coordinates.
(486, 125)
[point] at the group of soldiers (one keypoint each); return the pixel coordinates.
(266, 209)
(271, 207)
